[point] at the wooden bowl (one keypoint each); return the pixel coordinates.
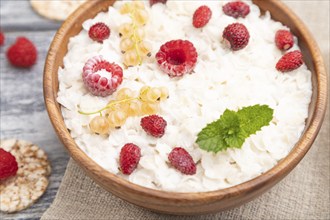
(188, 203)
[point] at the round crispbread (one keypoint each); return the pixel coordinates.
(31, 180)
(55, 10)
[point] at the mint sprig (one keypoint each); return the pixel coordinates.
(232, 128)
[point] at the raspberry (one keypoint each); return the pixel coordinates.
(283, 39)
(154, 125)
(236, 35)
(290, 61)
(236, 9)
(177, 57)
(129, 158)
(99, 32)
(100, 77)
(8, 164)
(22, 53)
(2, 39)
(152, 2)
(182, 161)
(202, 16)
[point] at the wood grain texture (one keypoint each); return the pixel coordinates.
(22, 110)
(189, 203)
(23, 18)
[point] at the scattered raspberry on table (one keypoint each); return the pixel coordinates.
(22, 53)
(2, 39)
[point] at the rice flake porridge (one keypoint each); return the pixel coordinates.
(221, 79)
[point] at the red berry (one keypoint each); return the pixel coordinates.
(99, 32)
(182, 161)
(177, 57)
(236, 35)
(129, 158)
(2, 39)
(8, 164)
(22, 53)
(152, 2)
(290, 61)
(236, 9)
(284, 39)
(100, 77)
(202, 16)
(154, 125)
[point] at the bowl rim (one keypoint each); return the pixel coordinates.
(282, 168)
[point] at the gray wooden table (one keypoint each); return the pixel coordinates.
(22, 109)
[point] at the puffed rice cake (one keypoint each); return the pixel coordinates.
(55, 10)
(31, 180)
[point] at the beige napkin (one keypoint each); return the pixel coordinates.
(303, 194)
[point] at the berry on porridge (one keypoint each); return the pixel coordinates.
(236, 36)
(154, 125)
(99, 32)
(284, 39)
(201, 16)
(236, 9)
(290, 61)
(100, 77)
(177, 57)
(130, 156)
(182, 161)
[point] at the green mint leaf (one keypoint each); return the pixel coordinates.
(212, 137)
(236, 140)
(232, 128)
(253, 118)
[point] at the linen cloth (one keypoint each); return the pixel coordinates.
(303, 194)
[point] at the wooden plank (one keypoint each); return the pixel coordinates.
(23, 115)
(22, 110)
(18, 15)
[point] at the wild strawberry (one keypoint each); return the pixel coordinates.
(182, 161)
(129, 158)
(290, 61)
(284, 39)
(236, 36)
(22, 53)
(154, 125)
(2, 38)
(236, 9)
(100, 77)
(8, 164)
(99, 32)
(202, 16)
(177, 57)
(152, 2)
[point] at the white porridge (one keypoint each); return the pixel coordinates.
(222, 79)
